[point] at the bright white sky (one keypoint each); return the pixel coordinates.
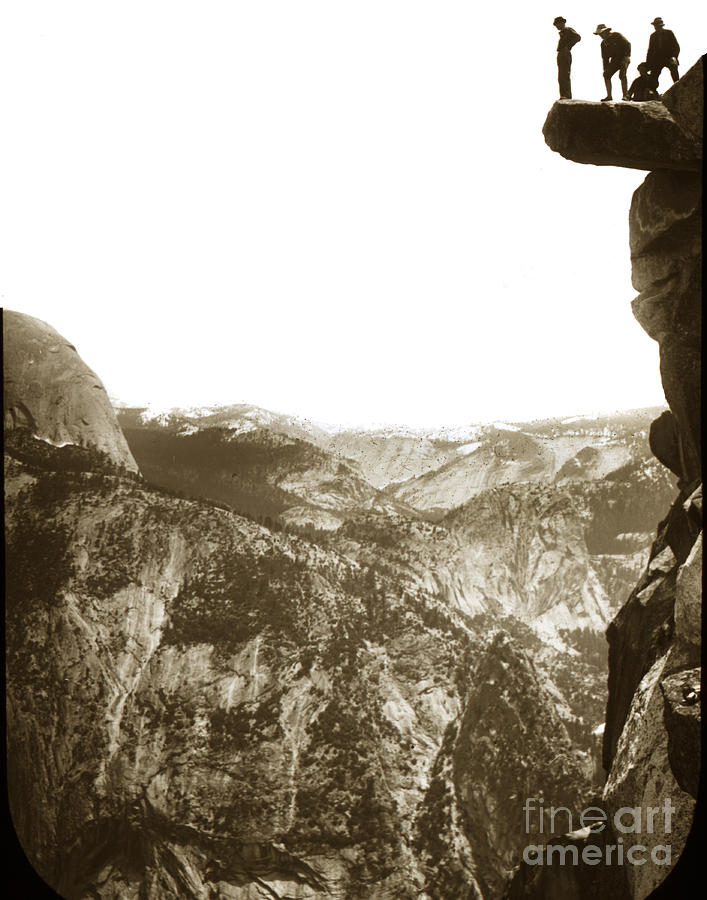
(342, 209)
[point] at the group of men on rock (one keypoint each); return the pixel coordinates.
(663, 52)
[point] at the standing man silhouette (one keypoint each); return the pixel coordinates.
(568, 38)
(663, 51)
(615, 55)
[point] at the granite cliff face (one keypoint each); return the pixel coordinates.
(198, 707)
(49, 390)
(555, 556)
(202, 707)
(652, 737)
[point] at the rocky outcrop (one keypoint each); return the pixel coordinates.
(630, 135)
(685, 99)
(664, 439)
(652, 736)
(49, 390)
(644, 628)
(661, 134)
(652, 739)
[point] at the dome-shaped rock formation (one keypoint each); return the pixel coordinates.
(51, 391)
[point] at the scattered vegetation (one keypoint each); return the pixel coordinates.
(40, 455)
(239, 471)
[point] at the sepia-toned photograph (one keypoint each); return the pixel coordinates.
(352, 449)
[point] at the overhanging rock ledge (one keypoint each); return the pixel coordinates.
(660, 134)
(651, 745)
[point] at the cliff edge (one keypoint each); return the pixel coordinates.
(652, 737)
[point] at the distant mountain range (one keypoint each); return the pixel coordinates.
(430, 470)
(547, 520)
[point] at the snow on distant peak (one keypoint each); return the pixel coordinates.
(235, 428)
(162, 414)
(459, 434)
(504, 426)
(151, 414)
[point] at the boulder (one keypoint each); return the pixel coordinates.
(680, 100)
(664, 440)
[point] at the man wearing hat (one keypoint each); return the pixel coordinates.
(615, 56)
(568, 38)
(663, 51)
(645, 87)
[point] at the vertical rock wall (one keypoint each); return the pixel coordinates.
(651, 745)
(652, 738)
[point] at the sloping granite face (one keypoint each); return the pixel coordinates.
(49, 390)
(190, 713)
(652, 733)
(660, 134)
(684, 101)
